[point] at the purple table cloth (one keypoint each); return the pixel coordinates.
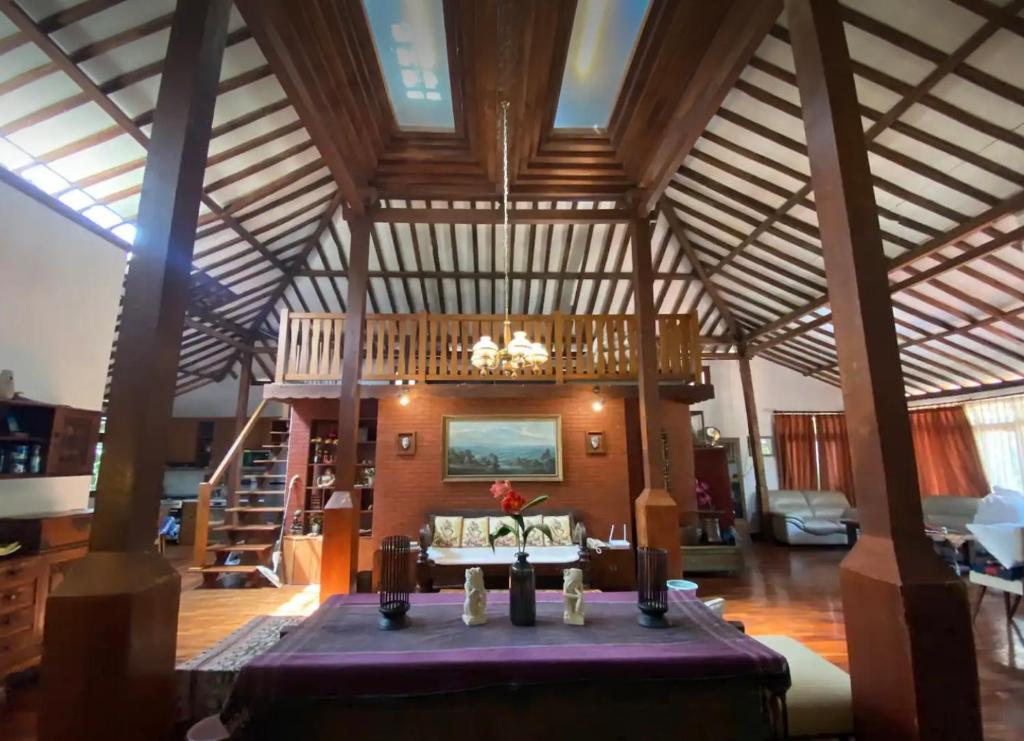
(338, 652)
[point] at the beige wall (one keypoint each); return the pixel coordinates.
(59, 291)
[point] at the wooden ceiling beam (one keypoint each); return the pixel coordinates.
(740, 32)
(381, 215)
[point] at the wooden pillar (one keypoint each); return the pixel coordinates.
(340, 574)
(907, 622)
(754, 432)
(111, 626)
(657, 514)
(241, 416)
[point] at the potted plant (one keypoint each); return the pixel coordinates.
(522, 580)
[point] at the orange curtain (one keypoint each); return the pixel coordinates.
(794, 448)
(834, 452)
(947, 456)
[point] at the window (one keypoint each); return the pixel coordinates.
(998, 426)
(410, 40)
(604, 34)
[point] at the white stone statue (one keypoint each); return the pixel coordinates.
(6, 385)
(475, 607)
(572, 596)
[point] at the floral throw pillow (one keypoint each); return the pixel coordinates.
(509, 539)
(474, 532)
(536, 537)
(559, 525)
(447, 532)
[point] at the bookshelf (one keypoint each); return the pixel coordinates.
(323, 445)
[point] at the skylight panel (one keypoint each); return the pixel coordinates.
(102, 216)
(45, 179)
(604, 34)
(410, 40)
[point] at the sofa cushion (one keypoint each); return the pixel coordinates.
(785, 501)
(447, 531)
(475, 531)
(559, 526)
(504, 540)
(819, 701)
(949, 512)
(819, 526)
(827, 505)
(502, 555)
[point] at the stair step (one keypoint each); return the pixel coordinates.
(254, 509)
(247, 492)
(264, 475)
(274, 446)
(247, 547)
(229, 569)
(270, 528)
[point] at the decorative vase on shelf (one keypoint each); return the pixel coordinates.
(522, 592)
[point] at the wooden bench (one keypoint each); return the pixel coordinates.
(818, 703)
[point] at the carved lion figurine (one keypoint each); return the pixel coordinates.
(572, 596)
(475, 607)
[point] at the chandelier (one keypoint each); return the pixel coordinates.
(518, 354)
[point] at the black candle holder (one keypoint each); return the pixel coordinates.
(394, 582)
(652, 587)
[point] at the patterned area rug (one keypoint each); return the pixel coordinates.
(203, 682)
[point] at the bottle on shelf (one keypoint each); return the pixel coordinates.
(35, 462)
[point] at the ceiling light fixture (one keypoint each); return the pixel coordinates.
(519, 354)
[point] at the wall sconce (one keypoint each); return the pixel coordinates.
(404, 399)
(598, 403)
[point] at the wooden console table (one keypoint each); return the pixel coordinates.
(50, 544)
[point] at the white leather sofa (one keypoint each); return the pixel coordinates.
(952, 513)
(808, 517)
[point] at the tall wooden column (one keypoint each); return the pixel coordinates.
(754, 432)
(657, 514)
(241, 417)
(111, 626)
(907, 623)
(339, 567)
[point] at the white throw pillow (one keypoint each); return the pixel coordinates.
(447, 532)
(509, 539)
(474, 532)
(559, 526)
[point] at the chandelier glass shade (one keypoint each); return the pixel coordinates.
(518, 354)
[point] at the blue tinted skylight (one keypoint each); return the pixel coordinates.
(604, 33)
(410, 40)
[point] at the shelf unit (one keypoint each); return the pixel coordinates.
(63, 438)
(322, 449)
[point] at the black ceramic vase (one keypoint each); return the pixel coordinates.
(522, 592)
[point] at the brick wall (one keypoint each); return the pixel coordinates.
(407, 488)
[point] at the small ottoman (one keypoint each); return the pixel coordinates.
(819, 702)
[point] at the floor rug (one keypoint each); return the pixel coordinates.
(203, 682)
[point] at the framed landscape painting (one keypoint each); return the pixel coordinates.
(486, 448)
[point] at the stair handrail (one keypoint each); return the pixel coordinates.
(206, 488)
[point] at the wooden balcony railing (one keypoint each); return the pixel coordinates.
(437, 347)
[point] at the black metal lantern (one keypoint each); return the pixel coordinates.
(394, 582)
(652, 587)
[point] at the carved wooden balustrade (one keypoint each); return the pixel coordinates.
(437, 347)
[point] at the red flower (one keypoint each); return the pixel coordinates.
(511, 503)
(500, 488)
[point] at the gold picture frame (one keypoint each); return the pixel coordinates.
(483, 447)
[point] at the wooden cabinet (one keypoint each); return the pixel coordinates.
(50, 545)
(73, 442)
(63, 438)
(711, 465)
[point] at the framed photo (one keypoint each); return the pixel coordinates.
(594, 443)
(697, 426)
(768, 446)
(485, 448)
(405, 443)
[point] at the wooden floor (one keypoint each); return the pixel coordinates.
(788, 591)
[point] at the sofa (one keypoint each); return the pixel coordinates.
(808, 517)
(952, 513)
(454, 540)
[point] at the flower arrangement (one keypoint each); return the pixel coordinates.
(514, 505)
(703, 495)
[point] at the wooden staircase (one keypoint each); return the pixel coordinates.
(244, 540)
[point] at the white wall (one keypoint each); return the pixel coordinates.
(218, 400)
(775, 389)
(59, 291)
